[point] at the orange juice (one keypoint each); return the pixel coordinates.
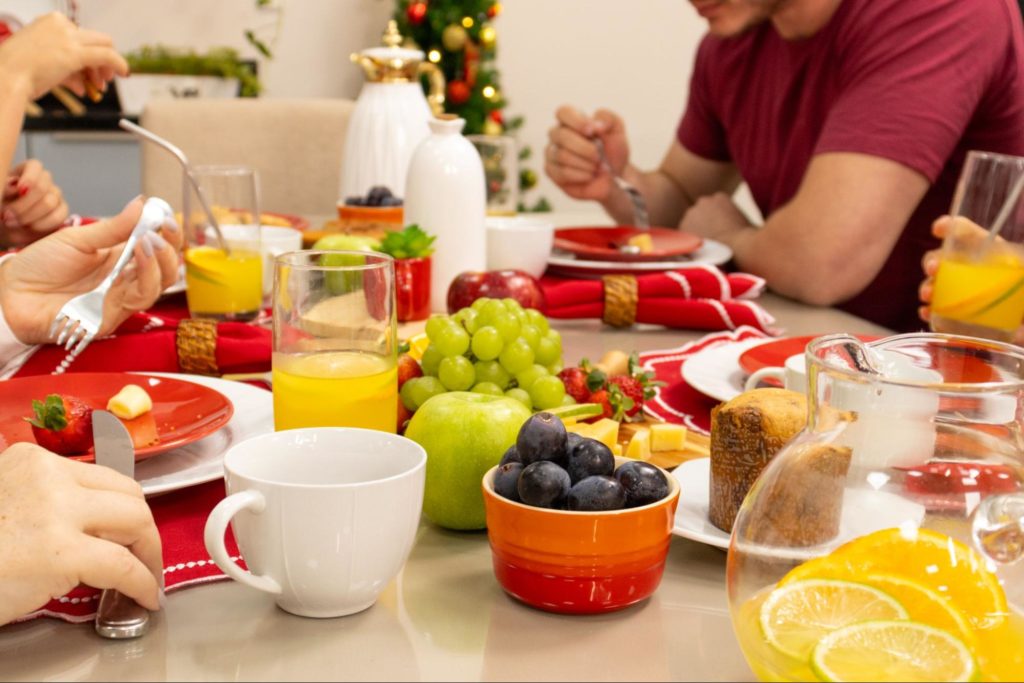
(868, 613)
(224, 286)
(983, 297)
(335, 389)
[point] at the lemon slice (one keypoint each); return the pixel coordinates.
(924, 604)
(417, 345)
(796, 616)
(893, 651)
(932, 559)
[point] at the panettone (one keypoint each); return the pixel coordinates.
(746, 433)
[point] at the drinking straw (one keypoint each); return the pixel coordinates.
(1008, 206)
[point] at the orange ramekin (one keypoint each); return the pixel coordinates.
(579, 562)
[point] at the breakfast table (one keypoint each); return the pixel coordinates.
(444, 617)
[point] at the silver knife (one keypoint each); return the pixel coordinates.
(118, 615)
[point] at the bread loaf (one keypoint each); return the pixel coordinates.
(746, 433)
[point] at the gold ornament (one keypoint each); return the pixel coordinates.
(454, 37)
(493, 128)
(488, 36)
(490, 92)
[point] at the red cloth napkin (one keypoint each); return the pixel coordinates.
(677, 401)
(698, 297)
(180, 518)
(146, 342)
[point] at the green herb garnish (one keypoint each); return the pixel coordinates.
(409, 243)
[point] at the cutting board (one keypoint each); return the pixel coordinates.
(696, 445)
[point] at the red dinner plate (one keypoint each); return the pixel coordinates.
(183, 412)
(602, 244)
(773, 354)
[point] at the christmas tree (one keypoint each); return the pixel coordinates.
(459, 36)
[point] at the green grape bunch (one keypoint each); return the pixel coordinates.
(493, 347)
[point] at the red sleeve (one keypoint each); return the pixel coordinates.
(700, 130)
(912, 79)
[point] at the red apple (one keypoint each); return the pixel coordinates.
(469, 286)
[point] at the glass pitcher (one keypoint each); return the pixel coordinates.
(886, 541)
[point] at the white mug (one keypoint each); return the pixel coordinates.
(519, 243)
(792, 376)
(324, 517)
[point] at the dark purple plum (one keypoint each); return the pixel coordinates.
(511, 455)
(596, 493)
(543, 484)
(589, 458)
(506, 480)
(572, 440)
(644, 483)
(542, 437)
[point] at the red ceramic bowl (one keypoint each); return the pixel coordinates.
(579, 562)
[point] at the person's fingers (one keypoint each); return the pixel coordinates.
(567, 140)
(95, 38)
(104, 57)
(573, 118)
(925, 313)
(930, 262)
(102, 564)
(28, 173)
(607, 122)
(106, 233)
(564, 175)
(148, 279)
(940, 226)
(44, 205)
(127, 521)
(167, 260)
(563, 157)
(52, 220)
(91, 476)
(924, 291)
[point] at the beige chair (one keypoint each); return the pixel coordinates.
(295, 144)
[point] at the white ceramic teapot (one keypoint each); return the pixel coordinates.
(390, 118)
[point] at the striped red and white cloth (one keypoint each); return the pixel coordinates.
(698, 297)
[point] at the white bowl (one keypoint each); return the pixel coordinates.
(519, 242)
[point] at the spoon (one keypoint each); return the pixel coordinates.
(176, 152)
(640, 217)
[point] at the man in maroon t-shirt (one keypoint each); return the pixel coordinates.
(848, 119)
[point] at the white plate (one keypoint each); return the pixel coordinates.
(203, 460)
(864, 512)
(711, 252)
(716, 372)
(692, 511)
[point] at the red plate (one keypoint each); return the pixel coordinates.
(602, 244)
(297, 222)
(773, 354)
(183, 412)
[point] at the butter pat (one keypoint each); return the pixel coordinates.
(130, 402)
(643, 242)
(667, 437)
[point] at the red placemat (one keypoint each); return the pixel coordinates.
(677, 401)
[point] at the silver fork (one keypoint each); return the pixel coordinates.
(640, 219)
(79, 320)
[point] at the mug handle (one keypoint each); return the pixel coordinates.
(213, 536)
(764, 373)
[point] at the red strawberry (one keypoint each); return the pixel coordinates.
(633, 389)
(407, 369)
(604, 400)
(575, 381)
(62, 424)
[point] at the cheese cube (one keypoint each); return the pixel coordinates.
(667, 437)
(640, 445)
(617, 450)
(581, 428)
(606, 431)
(130, 402)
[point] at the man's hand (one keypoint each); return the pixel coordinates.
(52, 51)
(571, 158)
(33, 205)
(715, 217)
(41, 278)
(63, 523)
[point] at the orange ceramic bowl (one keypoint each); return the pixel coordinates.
(579, 562)
(371, 214)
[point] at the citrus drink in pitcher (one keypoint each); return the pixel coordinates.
(893, 605)
(335, 389)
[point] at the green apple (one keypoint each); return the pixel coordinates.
(340, 242)
(340, 282)
(464, 434)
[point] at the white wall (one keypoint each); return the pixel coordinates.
(632, 57)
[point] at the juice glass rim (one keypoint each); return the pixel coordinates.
(301, 259)
(223, 169)
(822, 363)
(994, 156)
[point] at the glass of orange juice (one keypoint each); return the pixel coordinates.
(979, 286)
(335, 340)
(223, 284)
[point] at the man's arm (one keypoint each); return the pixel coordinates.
(832, 238)
(673, 187)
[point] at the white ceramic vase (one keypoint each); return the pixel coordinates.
(445, 195)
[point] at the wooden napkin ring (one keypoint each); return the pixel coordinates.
(620, 299)
(197, 346)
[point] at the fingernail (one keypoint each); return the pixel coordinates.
(23, 190)
(157, 241)
(146, 244)
(12, 182)
(172, 225)
(10, 220)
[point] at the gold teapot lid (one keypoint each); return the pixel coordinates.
(391, 63)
